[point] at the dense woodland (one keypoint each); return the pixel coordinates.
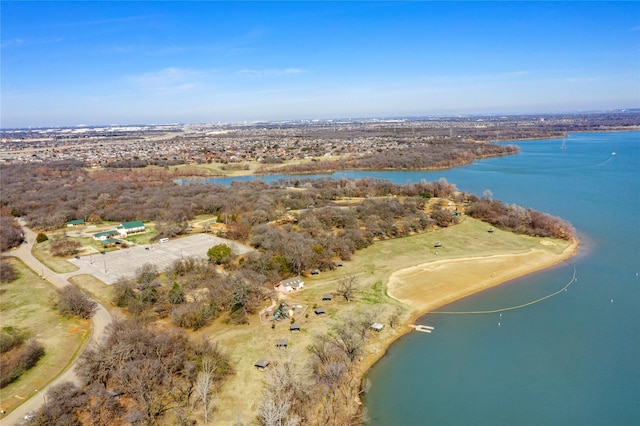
(410, 155)
(295, 227)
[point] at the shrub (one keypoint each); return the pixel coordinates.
(41, 237)
(193, 315)
(176, 294)
(7, 272)
(18, 360)
(219, 253)
(66, 248)
(11, 337)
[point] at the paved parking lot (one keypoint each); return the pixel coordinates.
(111, 266)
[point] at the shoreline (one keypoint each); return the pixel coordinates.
(420, 308)
(259, 172)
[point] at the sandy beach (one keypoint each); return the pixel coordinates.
(431, 285)
(426, 287)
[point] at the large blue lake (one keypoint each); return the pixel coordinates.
(573, 359)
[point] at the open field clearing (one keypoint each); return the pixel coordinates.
(28, 304)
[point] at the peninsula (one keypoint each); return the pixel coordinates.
(368, 251)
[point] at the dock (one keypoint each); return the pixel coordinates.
(422, 328)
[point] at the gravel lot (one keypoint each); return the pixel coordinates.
(111, 266)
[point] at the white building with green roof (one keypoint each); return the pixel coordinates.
(101, 236)
(128, 228)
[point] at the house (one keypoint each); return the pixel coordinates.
(282, 343)
(377, 327)
(294, 327)
(290, 284)
(101, 236)
(327, 297)
(262, 364)
(133, 227)
(75, 222)
(320, 311)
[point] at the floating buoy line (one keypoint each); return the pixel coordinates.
(511, 308)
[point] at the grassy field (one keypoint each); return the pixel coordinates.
(41, 251)
(372, 268)
(28, 304)
(243, 168)
(102, 293)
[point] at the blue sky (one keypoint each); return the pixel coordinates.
(71, 63)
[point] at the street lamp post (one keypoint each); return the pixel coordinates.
(43, 397)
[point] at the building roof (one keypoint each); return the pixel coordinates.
(294, 282)
(76, 222)
(105, 234)
(377, 326)
(319, 311)
(110, 241)
(132, 224)
(262, 363)
(282, 343)
(294, 327)
(327, 296)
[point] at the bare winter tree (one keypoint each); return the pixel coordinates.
(74, 301)
(203, 386)
(348, 286)
(285, 397)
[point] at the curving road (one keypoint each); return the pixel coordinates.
(100, 319)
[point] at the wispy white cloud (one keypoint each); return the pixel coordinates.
(168, 80)
(271, 72)
(21, 42)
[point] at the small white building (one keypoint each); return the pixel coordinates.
(102, 236)
(377, 326)
(290, 284)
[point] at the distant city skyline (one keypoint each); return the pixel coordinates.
(100, 63)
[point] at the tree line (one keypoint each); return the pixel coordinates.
(411, 155)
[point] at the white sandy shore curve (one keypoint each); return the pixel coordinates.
(431, 285)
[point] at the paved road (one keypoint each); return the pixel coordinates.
(100, 319)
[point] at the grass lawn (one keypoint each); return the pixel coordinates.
(144, 238)
(27, 303)
(42, 252)
(95, 288)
